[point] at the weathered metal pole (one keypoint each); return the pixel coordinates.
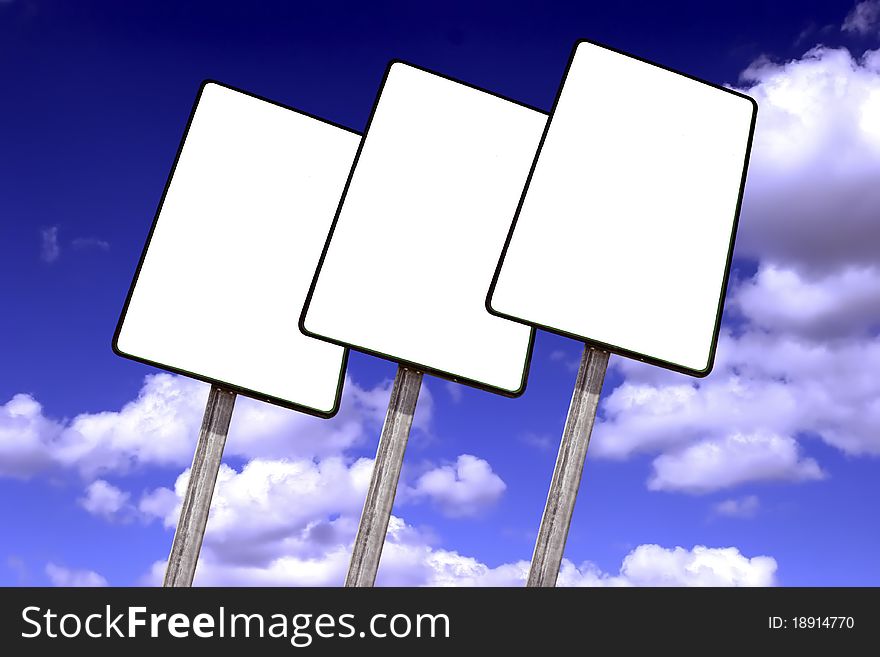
(556, 520)
(383, 485)
(202, 477)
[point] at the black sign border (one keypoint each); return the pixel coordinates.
(247, 392)
(402, 362)
(724, 283)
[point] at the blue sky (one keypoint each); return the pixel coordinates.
(769, 464)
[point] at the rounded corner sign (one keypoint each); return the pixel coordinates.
(624, 233)
(233, 249)
(416, 237)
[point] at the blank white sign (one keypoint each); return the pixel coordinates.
(417, 236)
(626, 226)
(233, 251)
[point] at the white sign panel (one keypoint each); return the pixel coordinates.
(233, 250)
(625, 230)
(417, 236)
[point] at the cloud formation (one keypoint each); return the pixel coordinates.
(273, 508)
(292, 523)
(842, 304)
(421, 565)
(864, 18)
(747, 420)
(466, 488)
(811, 198)
(105, 500)
(743, 507)
(294, 503)
(646, 565)
(81, 243)
(160, 428)
(735, 459)
(61, 576)
(50, 250)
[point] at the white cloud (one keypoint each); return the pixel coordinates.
(326, 570)
(272, 508)
(539, 441)
(646, 565)
(61, 576)
(767, 391)
(161, 426)
(743, 507)
(266, 431)
(466, 488)
(843, 303)
(420, 565)
(298, 511)
(49, 248)
(320, 558)
(735, 459)
(105, 500)
(653, 565)
(292, 523)
(812, 198)
(454, 390)
(27, 438)
(90, 243)
(570, 362)
(162, 503)
(864, 18)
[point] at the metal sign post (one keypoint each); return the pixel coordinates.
(200, 489)
(254, 185)
(569, 468)
(437, 177)
(373, 526)
(645, 167)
